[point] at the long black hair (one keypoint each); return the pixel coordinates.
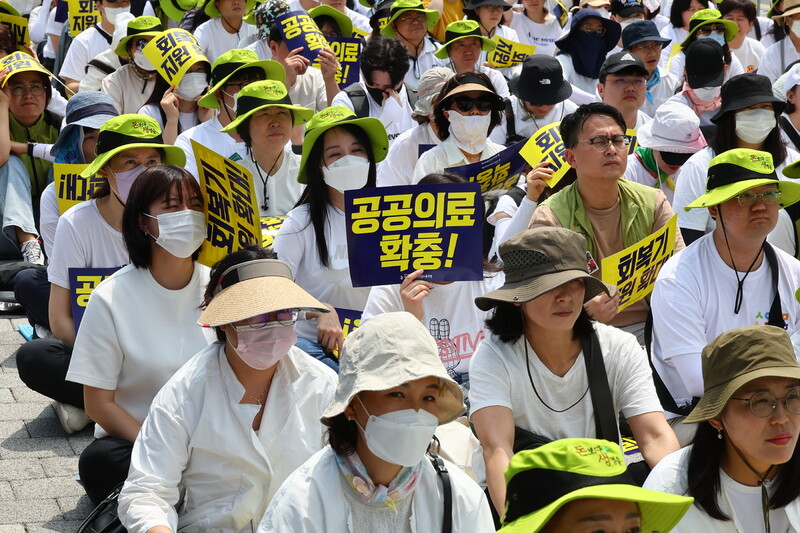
(678, 7)
(507, 323)
(726, 139)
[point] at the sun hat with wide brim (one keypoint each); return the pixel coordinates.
(261, 95)
(736, 358)
(675, 128)
(543, 480)
(468, 82)
(538, 260)
(704, 17)
(790, 7)
(254, 288)
(86, 109)
(402, 6)
(336, 116)
(386, 351)
(741, 169)
(746, 90)
(21, 62)
(211, 10)
(176, 9)
(566, 43)
(139, 27)
(8, 9)
(127, 132)
(233, 61)
(463, 29)
(342, 20)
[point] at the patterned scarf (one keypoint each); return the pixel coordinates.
(700, 106)
(401, 487)
(652, 81)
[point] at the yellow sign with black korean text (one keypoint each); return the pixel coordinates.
(500, 171)
(347, 51)
(546, 145)
(634, 270)
(83, 14)
(71, 188)
(18, 26)
(172, 53)
(269, 228)
(508, 53)
(634, 141)
(232, 220)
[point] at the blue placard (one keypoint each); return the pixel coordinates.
(347, 50)
(500, 171)
(422, 148)
(82, 281)
(393, 231)
(300, 31)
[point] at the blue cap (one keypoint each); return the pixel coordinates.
(90, 109)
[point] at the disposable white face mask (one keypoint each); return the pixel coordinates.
(347, 173)
(142, 62)
(400, 437)
(753, 125)
(125, 181)
(715, 37)
(180, 233)
(627, 22)
(707, 93)
(113, 12)
(192, 86)
(235, 101)
(796, 29)
(262, 348)
(469, 131)
(605, 13)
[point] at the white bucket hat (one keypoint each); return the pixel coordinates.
(675, 128)
(387, 351)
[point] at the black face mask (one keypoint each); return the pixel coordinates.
(674, 159)
(376, 94)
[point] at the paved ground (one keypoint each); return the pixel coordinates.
(39, 490)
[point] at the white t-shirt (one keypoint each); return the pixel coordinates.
(506, 32)
(186, 121)
(48, 217)
(359, 21)
(499, 377)
(777, 58)
(447, 154)
(526, 124)
(261, 49)
(53, 28)
(398, 167)
(395, 117)
(450, 315)
(583, 87)
(693, 303)
(283, 189)
(208, 135)
(215, 39)
(129, 91)
(296, 244)
(135, 334)
(749, 54)
(663, 90)
(84, 240)
(83, 49)
(541, 35)
(635, 171)
(424, 62)
(309, 90)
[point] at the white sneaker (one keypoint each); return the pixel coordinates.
(32, 252)
(72, 418)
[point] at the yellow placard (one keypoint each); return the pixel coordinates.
(21, 61)
(173, 52)
(634, 270)
(71, 188)
(361, 34)
(83, 14)
(18, 26)
(509, 53)
(546, 145)
(676, 47)
(232, 220)
(634, 141)
(269, 228)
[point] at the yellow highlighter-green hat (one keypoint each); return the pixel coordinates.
(138, 27)
(402, 6)
(261, 95)
(463, 29)
(212, 11)
(232, 62)
(704, 17)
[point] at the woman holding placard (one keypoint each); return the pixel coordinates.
(339, 154)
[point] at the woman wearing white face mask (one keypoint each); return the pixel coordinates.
(339, 154)
(140, 324)
(374, 475)
(252, 387)
(466, 113)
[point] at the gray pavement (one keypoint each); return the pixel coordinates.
(39, 489)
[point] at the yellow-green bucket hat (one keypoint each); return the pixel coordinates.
(176, 9)
(461, 29)
(402, 6)
(21, 62)
(543, 480)
(339, 116)
(342, 20)
(705, 17)
(735, 171)
(211, 10)
(261, 95)
(250, 16)
(8, 9)
(232, 62)
(139, 27)
(127, 132)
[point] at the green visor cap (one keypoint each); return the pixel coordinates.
(402, 6)
(250, 17)
(212, 11)
(735, 171)
(462, 29)
(339, 116)
(261, 95)
(575, 469)
(139, 27)
(342, 20)
(21, 62)
(233, 61)
(176, 9)
(710, 16)
(127, 132)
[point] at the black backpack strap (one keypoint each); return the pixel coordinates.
(775, 310)
(757, 27)
(516, 194)
(447, 490)
(511, 127)
(105, 36)
(789, 130)
(605, 419)
(358, 97)
(412, 95)
(664, 396)
(102, 67)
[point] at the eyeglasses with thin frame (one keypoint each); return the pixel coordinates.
(763, 404)
(599, 31)
(748, 198)
(36, 89)
(708, 29)
(601, 142)
(623, 83)
(411, 16)
(465, 105)
(284, 317)
(649, 46)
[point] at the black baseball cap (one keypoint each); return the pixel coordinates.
(642, 31)
(541, 81)
(621, 61)
(705, 64)
(626, 8)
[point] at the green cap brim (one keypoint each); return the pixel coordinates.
(122, 47)
(431, 17)
(660, 511)
(300, 115)
(731, 30)
(272, 71)
(344, 22)
(173, 155)
(487, 45)
(373, 127)
(790, 192)
(212, 11)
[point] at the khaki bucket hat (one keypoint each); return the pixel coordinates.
(387, 351)
(736, 358)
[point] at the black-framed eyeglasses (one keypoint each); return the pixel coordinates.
(708, 29)
(648, 46)
(284, 317)
(35, 89)
(748, 198)
(466, 104)
(763, 404)
(601, 142)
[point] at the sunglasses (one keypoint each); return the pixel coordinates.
(467, 104)
(674, 159)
